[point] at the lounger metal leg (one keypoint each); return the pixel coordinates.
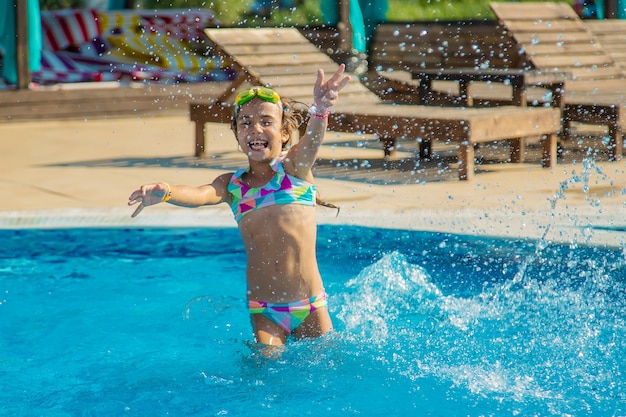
(616, 141)
(567, 129)
(465, 157)
(199, 151)
(549, 151)
(389, 147)
(426, 149)
(518, 150)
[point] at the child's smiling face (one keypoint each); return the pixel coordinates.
(260, 130)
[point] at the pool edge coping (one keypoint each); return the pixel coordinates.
(595, 230)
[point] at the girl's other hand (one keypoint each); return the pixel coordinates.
(147, 195)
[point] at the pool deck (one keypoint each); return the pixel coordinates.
(80, 173)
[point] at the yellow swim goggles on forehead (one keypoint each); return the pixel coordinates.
(263, 93)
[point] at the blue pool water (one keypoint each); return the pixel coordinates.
(152, 322)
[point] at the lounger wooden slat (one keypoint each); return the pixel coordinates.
(306, 91)
(360, 110)
(546, 26)
(605, 75)
(610, 88)
(555, 60)
(552, 36)
(274, 49)
(532, 38)
(296, 69)
(407, 46)
(544, 48)
(611, 34)
(535, 11)
(268, 59)
(261, 36)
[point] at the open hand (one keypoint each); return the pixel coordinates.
(325, 93)
(147, 195)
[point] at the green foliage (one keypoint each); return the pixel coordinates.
(61, 4)
(176, 4)
(425, 10)
(235, 12)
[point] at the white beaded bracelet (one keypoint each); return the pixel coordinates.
(313, 112)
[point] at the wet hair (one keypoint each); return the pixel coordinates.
(293, 117)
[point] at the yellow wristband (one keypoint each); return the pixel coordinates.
(168, 194)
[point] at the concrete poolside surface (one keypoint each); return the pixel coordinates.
(80, 173)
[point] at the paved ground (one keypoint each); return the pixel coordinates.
(80, 173)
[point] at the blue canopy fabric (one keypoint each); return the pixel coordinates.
(364, 16)
(330, 14)
(8, 38)
(117, 4)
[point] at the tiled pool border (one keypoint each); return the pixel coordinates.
(466, 222)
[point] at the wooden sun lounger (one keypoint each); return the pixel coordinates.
(551, 36)
(286, 61)
(611, 33)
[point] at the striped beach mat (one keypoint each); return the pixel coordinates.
(112, 22)
(57, 67)
(159, 50)
(81, 45)
(72, 27)
(96, 57)
(129, 71)
(65, 28)
(187, 25)
(177, 23)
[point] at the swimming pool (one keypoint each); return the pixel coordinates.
(107, 322)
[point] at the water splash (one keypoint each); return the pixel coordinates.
(544, 344)
(382, 293)
(589, 169)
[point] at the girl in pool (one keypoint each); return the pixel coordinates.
(273, 201)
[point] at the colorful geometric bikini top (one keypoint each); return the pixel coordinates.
(281, 189)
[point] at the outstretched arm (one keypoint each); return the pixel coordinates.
(180, 195)
(325, 95)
